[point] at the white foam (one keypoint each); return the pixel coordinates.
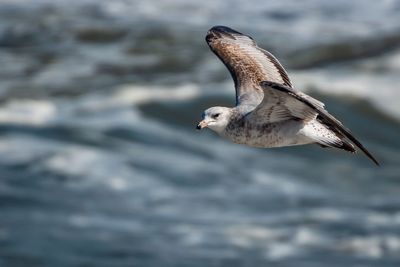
(374, 246)
(32, 112)
(277, 242)
(133, 94)
(307, 236)
(281, 250)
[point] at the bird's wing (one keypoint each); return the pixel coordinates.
(279, 105)
(281, 102)
(248, 64)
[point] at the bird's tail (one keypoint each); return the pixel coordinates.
(325, 137)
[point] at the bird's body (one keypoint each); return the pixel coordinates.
(269, 112)
(243, 130)
(268, 135)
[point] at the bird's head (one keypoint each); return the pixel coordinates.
(215, 118)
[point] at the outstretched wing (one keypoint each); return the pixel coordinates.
(281, 102)
(248, 64)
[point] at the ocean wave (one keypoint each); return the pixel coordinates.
(123, 98)
(362, 79)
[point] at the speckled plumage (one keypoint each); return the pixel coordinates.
(269, 112)
(243, 129)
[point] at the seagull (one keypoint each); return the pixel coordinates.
(269, 111)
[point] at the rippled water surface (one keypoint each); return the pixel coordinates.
(100, 164)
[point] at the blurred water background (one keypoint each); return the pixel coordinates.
(100, 164)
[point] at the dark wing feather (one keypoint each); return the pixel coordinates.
(323, 116)
(248, 64)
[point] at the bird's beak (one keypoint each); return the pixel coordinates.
(202, 125)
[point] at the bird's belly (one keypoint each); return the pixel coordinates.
(270, 135)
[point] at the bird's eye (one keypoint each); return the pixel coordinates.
(215, 116)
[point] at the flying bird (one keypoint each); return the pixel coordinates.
(269, 111)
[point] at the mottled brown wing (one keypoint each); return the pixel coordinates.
(248, 64)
